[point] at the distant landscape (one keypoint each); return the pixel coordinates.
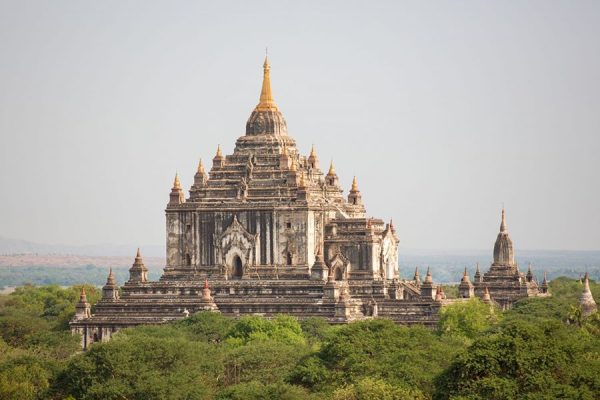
(23, 262)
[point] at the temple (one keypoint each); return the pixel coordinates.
(504, 283)
(264, 232)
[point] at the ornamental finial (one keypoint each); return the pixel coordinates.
(503, 223)
(331, 169)
(354, 185)
(176, 182)
(266, 102)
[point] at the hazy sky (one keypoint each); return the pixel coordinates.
(443, 110)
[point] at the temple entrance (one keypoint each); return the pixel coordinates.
(338, 275)
(238, 269)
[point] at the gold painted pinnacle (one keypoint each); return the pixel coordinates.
(200, 167)
(176, 182)
(266, 102)
(354, 185)
(331, 169)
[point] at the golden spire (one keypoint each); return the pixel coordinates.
(200, 167)
(266, 97)
(313, 153)
(176, 183)
(354, 185)
(219, 154)
(331, 169)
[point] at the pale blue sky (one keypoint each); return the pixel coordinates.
(443, 110)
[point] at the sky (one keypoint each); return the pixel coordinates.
(444, 111)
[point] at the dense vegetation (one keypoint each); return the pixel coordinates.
(541, 349)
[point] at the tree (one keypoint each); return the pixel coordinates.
(546, 359)
(368, 389)
(466, 318)
(379, 349)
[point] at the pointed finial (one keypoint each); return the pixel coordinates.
(313, 153)
(111, 277)
(331, 169)
(354, 185)
(465, 273)
(138, 255)
(82, 295)
(503, 223)
(477, 268)
(219, 154)
(176, 182)
(428, 277)
(200, 167)
(486, 294)
(302, 183)
(586, 282)
(266, 102)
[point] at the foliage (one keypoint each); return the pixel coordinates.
(466, 318)
(282, 328)
(526, 359)
(143, 367)
(543, 348)
(259, 391)
(380, 349)
(368, 388)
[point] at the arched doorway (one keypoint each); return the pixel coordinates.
(238, 269)
(338, 275)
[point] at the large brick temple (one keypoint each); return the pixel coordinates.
(268, 232)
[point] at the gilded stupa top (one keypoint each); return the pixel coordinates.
(266, 102)
(266, 119)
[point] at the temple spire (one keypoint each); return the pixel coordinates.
(200, 167)
(266, 102)
(503, 223)
(354, 185)
(176, 182)
(331, 169)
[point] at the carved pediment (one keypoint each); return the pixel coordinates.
(339, 266)
(235, 240)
